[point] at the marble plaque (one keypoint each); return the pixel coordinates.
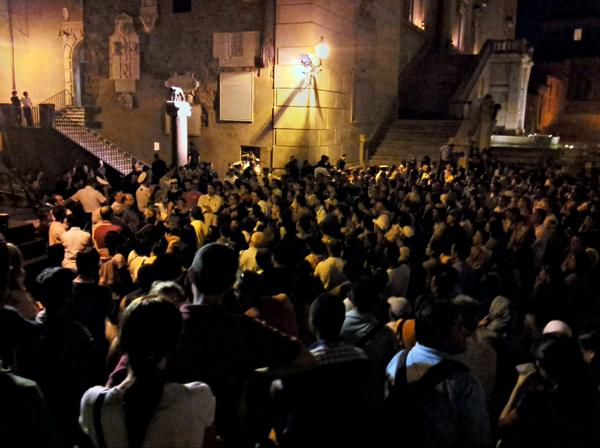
(124, 49)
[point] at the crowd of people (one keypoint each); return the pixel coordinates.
(423, 304)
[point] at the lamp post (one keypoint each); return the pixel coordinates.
(313, 62)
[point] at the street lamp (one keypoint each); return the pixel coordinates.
(313, 62)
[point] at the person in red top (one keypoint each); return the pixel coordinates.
(103, 227)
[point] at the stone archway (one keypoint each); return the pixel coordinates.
(72, 33)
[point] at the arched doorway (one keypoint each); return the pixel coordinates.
(78, 68)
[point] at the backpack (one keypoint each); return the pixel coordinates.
(404, 403)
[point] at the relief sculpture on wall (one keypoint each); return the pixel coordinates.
(124, 50)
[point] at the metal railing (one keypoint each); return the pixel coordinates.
(60, 100)
(97, 145)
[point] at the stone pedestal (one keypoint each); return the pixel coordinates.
(47, 114)
(179, 111)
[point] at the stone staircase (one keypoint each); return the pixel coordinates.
(74, 114)
(93, 142)
(426, 91)
(407, 139)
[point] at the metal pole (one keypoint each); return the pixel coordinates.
(12, 42)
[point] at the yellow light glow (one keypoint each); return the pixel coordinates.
(322, 50)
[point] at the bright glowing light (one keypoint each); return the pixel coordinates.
(322, 50)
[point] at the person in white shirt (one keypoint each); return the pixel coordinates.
(27, 109)
(331, 270)
(145, 409)
(89, 198)
(57, 227)
(210, 203)
(74, 240)
(398, 271)
(143, 193)
(248, 256)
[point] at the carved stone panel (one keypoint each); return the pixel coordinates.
(124, 50)
(148, 14)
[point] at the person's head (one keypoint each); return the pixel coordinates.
(558, 327)
(362, 295)
(327, 314)
(55, 255)
(106, 212)
(559, 358)
(213, 272)
(210, 189)
(14, 93)
(59, 213)
(25, 94)
(73, 220)
(148, 334)
(400, 308)
(17, 273)
(443, 281)
(439, 325)
(258, 240)
(88, 262)
(170, 290)
(56, 285)
(469, 310)
(392, 255)
(590, 346)
(335, 248)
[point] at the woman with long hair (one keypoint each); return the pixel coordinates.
(145, 410)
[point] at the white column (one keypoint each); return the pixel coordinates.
(179, 111)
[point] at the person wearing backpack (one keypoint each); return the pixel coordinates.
(434, 401)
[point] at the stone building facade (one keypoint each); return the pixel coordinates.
(240, 62)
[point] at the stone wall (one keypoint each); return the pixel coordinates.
(38, 49)
(28, 150)
(326, 113)
(179, 43)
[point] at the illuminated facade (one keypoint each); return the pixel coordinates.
(254, 93)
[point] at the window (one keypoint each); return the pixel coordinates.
(578, 34)
(182, 6)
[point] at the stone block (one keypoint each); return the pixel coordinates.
(306, 98)
(299, 13)
(290, 77)
(292, 137)
(300, 118)
(291, 56)
(298, 34)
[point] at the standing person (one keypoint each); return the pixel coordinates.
(90, 199)
(24, 416)
(16, 106)
(221, 348)
(27, 109)
(91, 304)
(211, 204)
(74, 240)
(159, 169)
(438, 400)
(341, 163)
(486, 121)
(145, 409)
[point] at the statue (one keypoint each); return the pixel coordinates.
(177, 94)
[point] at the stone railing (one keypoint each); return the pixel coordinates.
(102, 148)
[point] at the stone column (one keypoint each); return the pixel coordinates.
(179, 111)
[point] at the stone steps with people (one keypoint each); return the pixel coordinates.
(407, 139)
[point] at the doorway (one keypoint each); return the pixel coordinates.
(78, 67)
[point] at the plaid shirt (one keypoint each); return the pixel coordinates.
(336, 352)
